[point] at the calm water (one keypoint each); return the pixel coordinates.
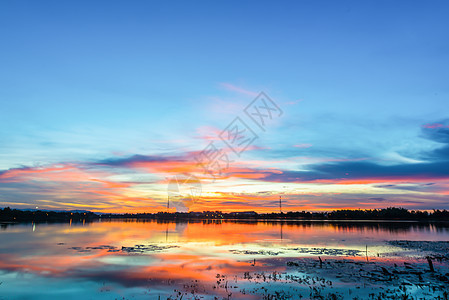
(145, 260)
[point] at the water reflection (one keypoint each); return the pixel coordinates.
(129, 257)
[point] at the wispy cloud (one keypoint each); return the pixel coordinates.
(302, 146)
(234, 88)
(435, 126)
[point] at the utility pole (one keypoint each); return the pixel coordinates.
(280, 204)
(168, 203)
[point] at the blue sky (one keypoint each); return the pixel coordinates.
(83, 82)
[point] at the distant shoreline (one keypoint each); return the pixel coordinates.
(390, 214)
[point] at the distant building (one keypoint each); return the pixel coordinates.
(243, 214)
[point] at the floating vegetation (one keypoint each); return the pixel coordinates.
(259, 252)
(311, 251)
(395, 281)
(147, 248)
(325, 251)
(437, 249)
(151, 248)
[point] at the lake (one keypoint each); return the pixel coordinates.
(212, 259)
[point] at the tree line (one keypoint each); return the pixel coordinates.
(391, 213)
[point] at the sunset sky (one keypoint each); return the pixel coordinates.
(103, 103)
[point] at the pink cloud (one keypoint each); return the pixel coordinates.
(303, 145)
(209, 133)
(435, 125)
(237, 89)
(294, 102)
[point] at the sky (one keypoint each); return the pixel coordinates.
(117, 106)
